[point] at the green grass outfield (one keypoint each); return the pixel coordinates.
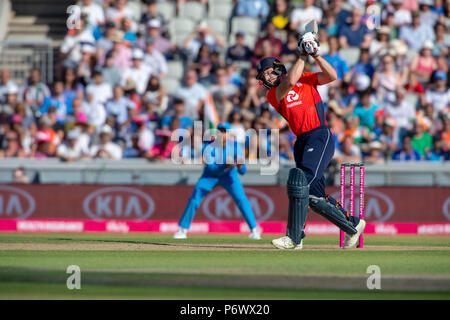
(154, 266)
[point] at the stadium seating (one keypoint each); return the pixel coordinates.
(248, 24)
(220, 10)
(170, 84)
(179, 28)
(167, 9)
(175, 69)
(192, 10)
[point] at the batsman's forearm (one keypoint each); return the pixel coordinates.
(297, 70)
(327, 69)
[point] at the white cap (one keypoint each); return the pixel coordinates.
(87, 48)
(154, 23)
(138, 54)
(427, 44)
(73, 134)
(362, 82)
(106, 129)
(12, 88)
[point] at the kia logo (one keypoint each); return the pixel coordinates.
(219, 205)
(118, 202)
(446, 208)
(15, 202)
(378, 207)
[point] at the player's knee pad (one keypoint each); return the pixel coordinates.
(331, 213)
(297, 184)
(298, 193)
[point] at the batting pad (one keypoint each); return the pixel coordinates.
(298, 193)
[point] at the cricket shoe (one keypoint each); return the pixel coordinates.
(180, 234)
(255, 234)
(286, 243)
(351, 240)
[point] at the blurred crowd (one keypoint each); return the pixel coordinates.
(108, 98)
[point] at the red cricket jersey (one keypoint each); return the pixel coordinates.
(302, 106)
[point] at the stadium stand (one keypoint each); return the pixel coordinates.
(105, 90)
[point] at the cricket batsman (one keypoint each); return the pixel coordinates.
(225, 174)
(294, 95)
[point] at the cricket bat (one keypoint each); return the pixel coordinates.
(312, 27)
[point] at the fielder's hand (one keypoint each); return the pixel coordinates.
(310, 44)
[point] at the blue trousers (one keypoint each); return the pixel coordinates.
(313, 152)
(205, 184)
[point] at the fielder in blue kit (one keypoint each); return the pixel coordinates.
(224, 173)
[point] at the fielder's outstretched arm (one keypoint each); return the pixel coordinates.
(328, 73)
(291, 79)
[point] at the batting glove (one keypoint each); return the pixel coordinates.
(311, 47)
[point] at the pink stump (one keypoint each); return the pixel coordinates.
(341, 238)
(361, 201)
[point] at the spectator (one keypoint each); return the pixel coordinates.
(222, 86)
(138, 74)
(416, 33)
(341, 14)
(94, 110)
(302, 15)
(275, 42)
(279, 15)
(428, 16)
(388, 138)
(163, 149)
(121, 54)
(162, 44)
(387, 80)
(134, 150)
(71, 150)
(119, 12)
(289, 53)
(402, 111)
(355, 34)
(199, 36)
(422, 141)
(406, 153)
(100, 90)
(380, 44)
(96, 16)
(330, 26)
(110, 73)
(12, 146)
(193, 93)
(156, 91)
(72, 87)
(439, 95)
(375, 154)
(11, 99)
(178, 114)
(364, 66)
(19, 176)
(365, 110)
(5, 83)
(106, 149)
(35, 91)
(62, 104)
(42, 147)
(424, 63)
(152, 13)
(154, 60)
(441, 43)
(349, 151)
(338, 63)
(118, 105)
(106, 43)
(253, 8)
(239, 51)
(401, 15)
(437, 153)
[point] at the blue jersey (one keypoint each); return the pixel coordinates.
(216, 159)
